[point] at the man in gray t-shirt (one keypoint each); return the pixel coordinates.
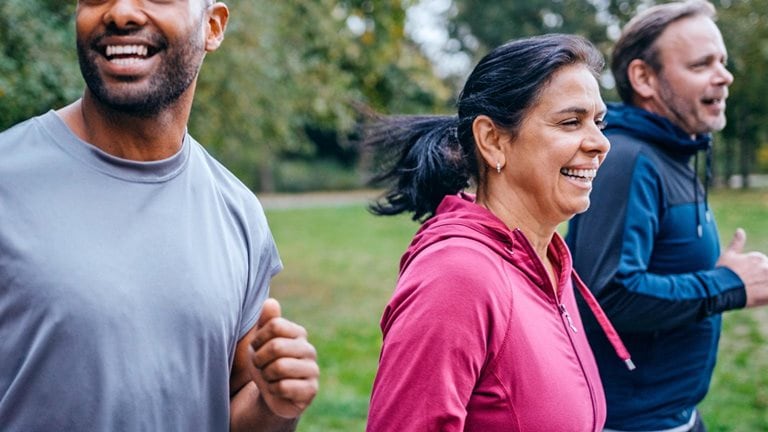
(134, 268)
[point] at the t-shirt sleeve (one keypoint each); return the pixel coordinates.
(264, 264)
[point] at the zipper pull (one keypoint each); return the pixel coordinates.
(564, 312)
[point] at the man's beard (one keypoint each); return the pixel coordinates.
(176, 74)
(685, 113)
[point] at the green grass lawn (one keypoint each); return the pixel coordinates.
(341, 266)
(738, 397)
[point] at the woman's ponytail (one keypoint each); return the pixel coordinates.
(421, 162)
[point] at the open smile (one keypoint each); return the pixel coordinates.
(128, 54)
(584, 175)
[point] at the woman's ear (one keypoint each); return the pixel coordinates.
(642, 77)
(489, 141)
(218, 14)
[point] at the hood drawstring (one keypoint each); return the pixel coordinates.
(602, 319)
(699, 229)
(707, 180)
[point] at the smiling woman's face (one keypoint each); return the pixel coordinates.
(559, 147)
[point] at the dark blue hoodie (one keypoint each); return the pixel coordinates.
(647, 249)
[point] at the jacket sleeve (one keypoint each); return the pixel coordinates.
(636, 298)
(436, 335)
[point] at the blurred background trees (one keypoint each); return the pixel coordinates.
(38, 62)
(281, 102)
(298, 74)
(744, 143)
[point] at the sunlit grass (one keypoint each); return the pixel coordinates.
(341, 266)
(738, 397)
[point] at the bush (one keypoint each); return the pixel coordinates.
(315, 175)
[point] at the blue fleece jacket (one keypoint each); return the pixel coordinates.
(647, 248)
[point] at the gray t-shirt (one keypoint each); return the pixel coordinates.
(124, 286)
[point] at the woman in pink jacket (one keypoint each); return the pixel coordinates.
(483, 332)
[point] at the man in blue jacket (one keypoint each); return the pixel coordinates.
(648, 247)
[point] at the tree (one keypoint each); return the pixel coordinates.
(287, 67)
(745, 31)
(492, 25)
(38, 63)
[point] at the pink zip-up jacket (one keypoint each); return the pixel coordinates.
(475, 338)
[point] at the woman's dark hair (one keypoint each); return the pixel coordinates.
(638, 39)
(426, 158)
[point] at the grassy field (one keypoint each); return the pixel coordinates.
(738, 397)
(340, 268)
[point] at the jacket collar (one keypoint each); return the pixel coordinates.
(654, 128)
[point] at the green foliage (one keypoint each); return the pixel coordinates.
(393, 75)
(277, 71)
(744, 24)
(38, 64)
(302, 175)
(496, 24)
(285, 66)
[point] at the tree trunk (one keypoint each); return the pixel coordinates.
(745, 158)
(728, 161)
(267, 175)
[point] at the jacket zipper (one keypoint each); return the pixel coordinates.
(564, 312)
(566, 317)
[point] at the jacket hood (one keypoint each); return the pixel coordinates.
(653, 128)
(458, 216)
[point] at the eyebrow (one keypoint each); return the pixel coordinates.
(579, 110)
(708, 58)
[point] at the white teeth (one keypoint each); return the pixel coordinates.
(583, 173)
(137, 50)
(125, 61)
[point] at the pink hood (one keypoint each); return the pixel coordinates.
(455, 218)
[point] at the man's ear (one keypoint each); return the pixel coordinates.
(489, 141)
(218, 14)
(643, 78)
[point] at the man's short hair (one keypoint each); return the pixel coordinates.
(638, 38)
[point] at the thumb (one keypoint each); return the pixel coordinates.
(738, 241)
(270, 309)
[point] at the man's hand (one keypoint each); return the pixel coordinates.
(286, 370)
(751, 267)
